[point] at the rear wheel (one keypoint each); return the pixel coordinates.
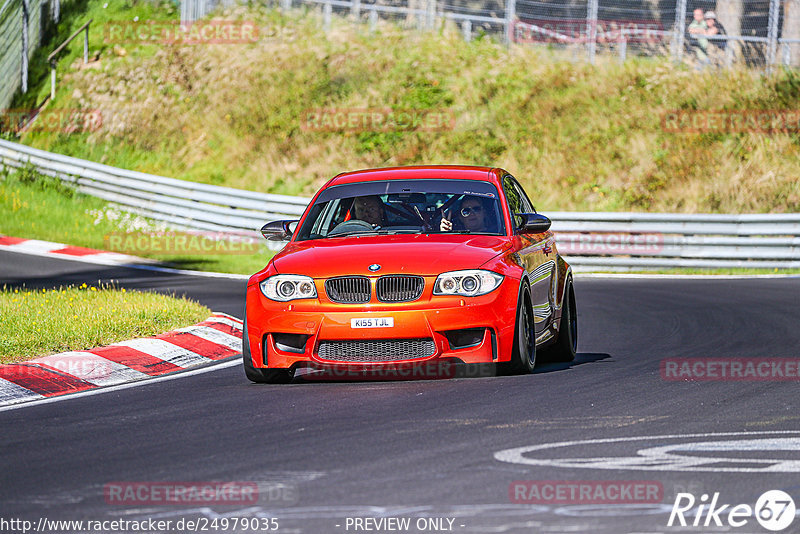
(566, 344)
(523, 355)
(255, 374)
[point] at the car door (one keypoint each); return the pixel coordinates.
(536, 253)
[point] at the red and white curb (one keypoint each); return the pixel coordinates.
(217, 338)
(36, 247)
(60, 250)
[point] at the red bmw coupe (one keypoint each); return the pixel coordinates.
(411, 266)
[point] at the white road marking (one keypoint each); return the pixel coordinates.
(662, 458)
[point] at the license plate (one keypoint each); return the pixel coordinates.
(372, 322)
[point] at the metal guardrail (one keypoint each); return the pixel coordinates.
(590, 240)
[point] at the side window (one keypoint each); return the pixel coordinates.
(517, 199)
(526, 202)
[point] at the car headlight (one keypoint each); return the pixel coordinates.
(469, 283)
(283, 287)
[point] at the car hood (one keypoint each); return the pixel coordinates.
(397, 254)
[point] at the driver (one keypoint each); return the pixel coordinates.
(369, 209)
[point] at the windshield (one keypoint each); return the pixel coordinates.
(404, 206)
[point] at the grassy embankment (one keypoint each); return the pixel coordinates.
(579, 137)
(40, 322)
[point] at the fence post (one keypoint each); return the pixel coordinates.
(511, 13)
(591, 22)
(678, 37)
(286, 5)
(466, 30)
(326, 16)
(373, 20)
(53, 80)
(56, 10)
(787, 54)
(26, 12)
(623, 47)
(772, 33)
(355, 9)
(729, 53)
(86, 46)
(430, 12)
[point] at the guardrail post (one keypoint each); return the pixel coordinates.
(466, 30)
(511, 13)
(678, 31)
(787, 54)
(355, 9)
(591, 22)
(623, 48)
(286, 5)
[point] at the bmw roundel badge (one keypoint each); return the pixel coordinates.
(374, 267)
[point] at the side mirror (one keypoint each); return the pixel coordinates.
(278, 230)
(533, 223)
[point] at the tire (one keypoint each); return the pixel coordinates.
(565, 347)
(523, 355)
(254, 374)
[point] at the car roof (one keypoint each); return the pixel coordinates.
(440, 172)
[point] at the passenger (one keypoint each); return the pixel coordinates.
(472, 215)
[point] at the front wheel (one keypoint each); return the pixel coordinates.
(255, 374)
(523, 355)
(566, 345)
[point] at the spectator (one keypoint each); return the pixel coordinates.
(714, 27)
(697, 28)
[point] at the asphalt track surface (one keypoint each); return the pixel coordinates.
(426, 449)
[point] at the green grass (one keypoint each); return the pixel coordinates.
(578, 136)
(40, 207)
(40, 322)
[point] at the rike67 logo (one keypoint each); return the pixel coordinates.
(774, 510)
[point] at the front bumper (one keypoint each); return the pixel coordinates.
(456, 329)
